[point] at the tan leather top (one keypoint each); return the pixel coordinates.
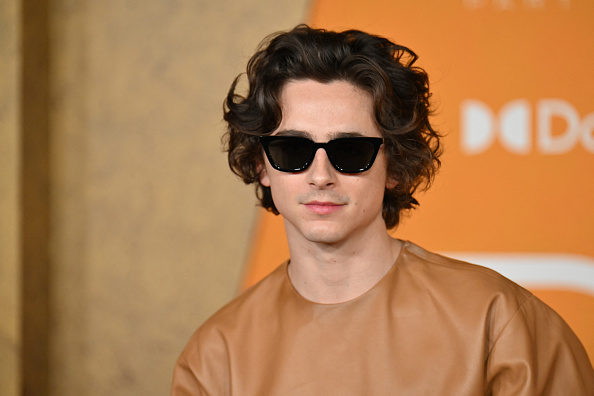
(431, 326)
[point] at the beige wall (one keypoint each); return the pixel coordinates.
(10, 315)
(148, 228)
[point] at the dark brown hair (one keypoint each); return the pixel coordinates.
(374, 64)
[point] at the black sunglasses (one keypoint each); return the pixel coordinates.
(295, 153)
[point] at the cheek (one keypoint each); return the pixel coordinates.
(280, 186)
(382, 176)
(371, 195)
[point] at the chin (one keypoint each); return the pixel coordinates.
(325, 236)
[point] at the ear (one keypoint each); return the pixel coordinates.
(391, 183)
(263, 174)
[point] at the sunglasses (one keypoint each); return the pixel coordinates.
(295, 153)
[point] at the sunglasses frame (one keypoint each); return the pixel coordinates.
(376, 142)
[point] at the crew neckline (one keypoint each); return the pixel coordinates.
(405, 245)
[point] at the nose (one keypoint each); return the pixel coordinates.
(321, 173)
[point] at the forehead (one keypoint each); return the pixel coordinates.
(326, 109)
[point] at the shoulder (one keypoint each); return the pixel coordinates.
(202, 367)
(257, 301)
(457, 276)
(526, 343)
(529, 348)
(472, 295)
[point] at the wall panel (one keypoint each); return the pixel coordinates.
(149, 228)
(10, 290)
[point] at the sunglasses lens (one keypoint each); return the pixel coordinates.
(351, 155)
(291, 154)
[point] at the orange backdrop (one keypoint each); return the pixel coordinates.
(512, 83)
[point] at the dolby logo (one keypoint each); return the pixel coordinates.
(522, 128)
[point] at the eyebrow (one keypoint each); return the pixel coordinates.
(293, 132)
(335, 135)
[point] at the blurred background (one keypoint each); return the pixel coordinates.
(122, 228)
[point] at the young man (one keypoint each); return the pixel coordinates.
(334, 132)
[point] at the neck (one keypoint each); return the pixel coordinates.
(331, 274)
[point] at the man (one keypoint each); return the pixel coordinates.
(334, 131)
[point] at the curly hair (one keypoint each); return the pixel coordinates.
(374, 64)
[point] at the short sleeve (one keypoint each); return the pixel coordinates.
(202, 367)
(537, 353)
(185, 382)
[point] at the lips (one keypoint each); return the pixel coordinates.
(323, 208)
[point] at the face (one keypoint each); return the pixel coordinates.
(320, 204)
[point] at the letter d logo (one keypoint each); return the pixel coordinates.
(478, 126)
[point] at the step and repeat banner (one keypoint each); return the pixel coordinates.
(513, 84)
